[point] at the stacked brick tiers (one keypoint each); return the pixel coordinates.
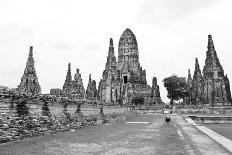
(126, 79)
(73, 88)
(29, 82)
(213, 87)
(91, 91)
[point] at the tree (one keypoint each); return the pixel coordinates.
(176, 87)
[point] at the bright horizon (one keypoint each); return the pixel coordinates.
(170, 34)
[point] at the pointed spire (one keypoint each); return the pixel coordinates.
(197, 67)
(189, 80)
(197, 71)
(69, 66)
(111, 48)
(69, 74)
(189, 74)
(154, 81)
(90, 81)
(90, 77)
(30, 60)
(210, 43)
(211, 62)
(31, 51)
(111, 42)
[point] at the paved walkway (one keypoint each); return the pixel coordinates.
(145, 134)
(217, 137)
(197, 141)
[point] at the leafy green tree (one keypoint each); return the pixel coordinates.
(176, 87)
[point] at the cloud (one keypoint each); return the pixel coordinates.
(166, 11)
(60, 45)
(92, 47)
(15, 32)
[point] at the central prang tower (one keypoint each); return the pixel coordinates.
(125, 81)
(128, 50)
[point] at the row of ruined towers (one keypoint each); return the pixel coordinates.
(211, 86)
(121, 80)
(124, 79)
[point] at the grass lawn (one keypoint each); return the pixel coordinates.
(169, 142)
(222, 129)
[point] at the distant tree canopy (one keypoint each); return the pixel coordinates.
(176, 87)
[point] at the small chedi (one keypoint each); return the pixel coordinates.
(91, 91)
(29, 82)
(73, 88)
(155, 92)
(124, 80)
(213, 87)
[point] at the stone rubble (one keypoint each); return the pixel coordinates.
(14, 128)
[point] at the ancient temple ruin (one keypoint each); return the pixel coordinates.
(29, 82)
(197, 84)
(73, 88)
(155, 92)
(91, 91)
(216, 84)
(124, 79)
(213, 87)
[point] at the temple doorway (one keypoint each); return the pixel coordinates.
(125, 79)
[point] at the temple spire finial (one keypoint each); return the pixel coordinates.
(197, 63)
(210, 43)
(189, 74)
(111, 42)
(196, 60)
(90, 79)
(31, 52)
(69, 66)
(111, 48)
(69, 74)
(31, 48)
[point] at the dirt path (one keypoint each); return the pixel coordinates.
(197, 141)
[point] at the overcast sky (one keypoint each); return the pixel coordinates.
(170, 34)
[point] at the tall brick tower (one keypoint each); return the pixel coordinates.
(128, 50)
(197, 84)
(216, 84)
(29, 82)
(68, 81)
(109, 77)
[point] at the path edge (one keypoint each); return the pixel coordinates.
(225, 142)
